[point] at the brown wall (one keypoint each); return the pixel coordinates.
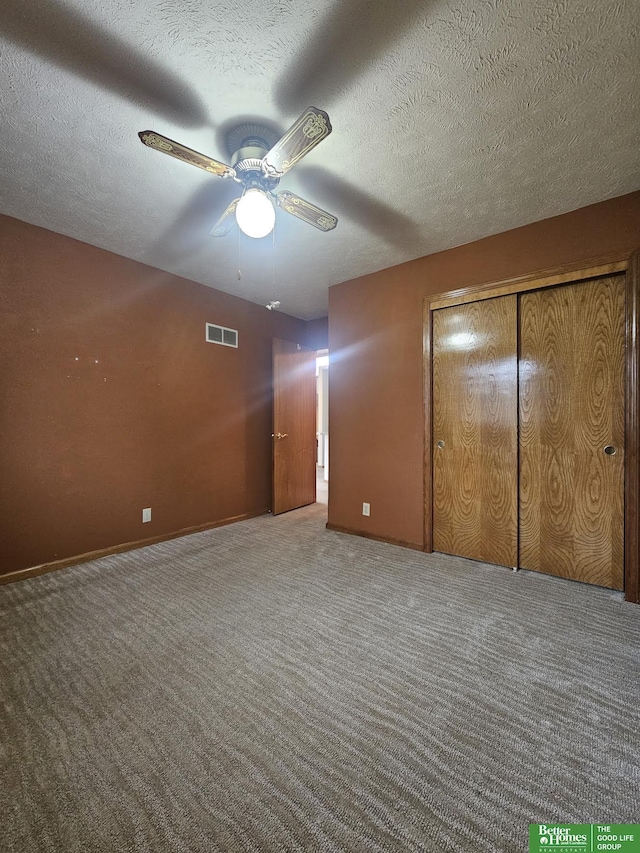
(375, 341)
(318, 333)
(111, 401)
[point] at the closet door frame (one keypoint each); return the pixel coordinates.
(629, 264)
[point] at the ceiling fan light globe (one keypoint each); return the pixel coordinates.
(255, 213)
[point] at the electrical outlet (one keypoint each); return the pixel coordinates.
(146, 514)
(366, 509)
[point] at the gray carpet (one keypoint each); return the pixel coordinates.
(272, 686)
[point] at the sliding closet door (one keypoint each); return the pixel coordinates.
(475, 432)
(572, 431)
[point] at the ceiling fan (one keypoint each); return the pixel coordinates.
(258, 162)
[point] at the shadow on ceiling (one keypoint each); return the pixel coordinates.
(343, 199)
(250, 121)
(354, 35)
(72, 42)
(189, 234)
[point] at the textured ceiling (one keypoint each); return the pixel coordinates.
(452, 120)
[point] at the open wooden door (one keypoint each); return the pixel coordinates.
(294, 426)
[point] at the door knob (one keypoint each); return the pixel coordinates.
(440, 444)
(610, 450)
(280, 435)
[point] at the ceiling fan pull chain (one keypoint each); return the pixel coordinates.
(273, 263)
(275, 303)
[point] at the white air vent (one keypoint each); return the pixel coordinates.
(220, 335)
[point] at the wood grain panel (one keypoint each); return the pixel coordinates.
(532, 281)
(632, 435)
(572, 355)
(475, 416)
(294, 426)
(427, 455)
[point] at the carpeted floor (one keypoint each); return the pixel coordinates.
(272, 686)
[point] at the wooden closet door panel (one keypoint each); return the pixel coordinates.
(571, 408)
(475, 436)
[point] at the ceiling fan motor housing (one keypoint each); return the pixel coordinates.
(247, 161)
(250, 174)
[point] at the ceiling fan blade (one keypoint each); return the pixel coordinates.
(187, 231)
(187, 155)
(304, 134)
(226, 221)
(306, 211)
